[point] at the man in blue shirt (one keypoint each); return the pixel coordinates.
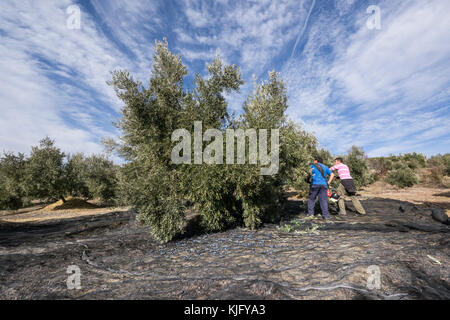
(318, 188)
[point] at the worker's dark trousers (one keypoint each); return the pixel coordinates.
(321, 191)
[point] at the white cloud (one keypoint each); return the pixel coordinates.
(406, 57)
(36, 48)
(248, 34)
(384, 89)
(198, 54)
(133, 24)
(378, 88)
(255, 32)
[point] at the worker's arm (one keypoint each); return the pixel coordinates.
(331, 178)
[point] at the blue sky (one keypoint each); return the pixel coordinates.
(386, 90)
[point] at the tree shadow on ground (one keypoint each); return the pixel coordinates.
(435, 204)
(442, 194)
(27, 209)
(384, 215)
(194, 228)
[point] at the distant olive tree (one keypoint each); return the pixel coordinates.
(44, 174)
(414, 160)
(381, 166)
(100, 177)
(13, 192)
(48, 174)
(357, 161)
(94, 176)
(402, 176)
(75, 174)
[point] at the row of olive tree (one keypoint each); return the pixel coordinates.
(396, 170)
(48, 174)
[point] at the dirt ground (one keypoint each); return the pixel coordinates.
(428, 196)
(296, 258)
(36, 213)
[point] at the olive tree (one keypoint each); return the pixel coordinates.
(357, 161)
(224, 194)
(13, 192)
(44, 173)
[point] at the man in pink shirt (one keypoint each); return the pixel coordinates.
(346, 187)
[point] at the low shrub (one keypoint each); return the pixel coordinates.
(441, 161)
(12, 186)
(402, 176)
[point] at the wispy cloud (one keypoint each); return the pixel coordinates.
(305, 24)
(52, 75)
(386, 90)
(250, 34)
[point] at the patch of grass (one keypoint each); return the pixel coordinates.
(314, 229)
(286, 228)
